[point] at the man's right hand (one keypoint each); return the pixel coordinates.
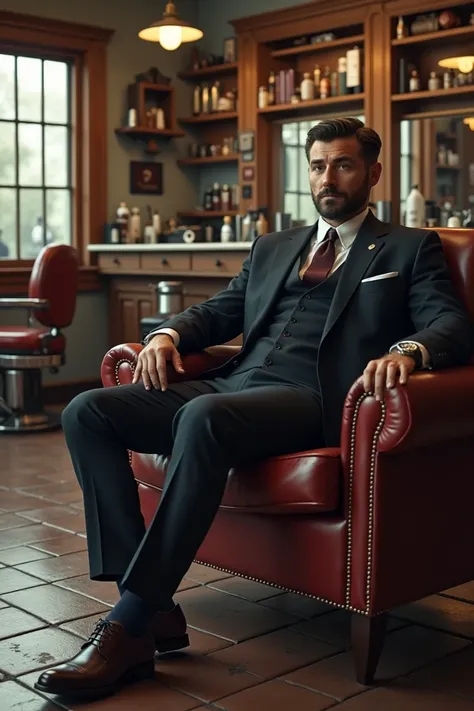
(151, 365)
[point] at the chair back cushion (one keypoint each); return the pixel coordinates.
(458, 247)
(55, 277)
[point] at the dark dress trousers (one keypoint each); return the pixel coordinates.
(303, 348)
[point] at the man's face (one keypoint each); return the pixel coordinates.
(340, 179)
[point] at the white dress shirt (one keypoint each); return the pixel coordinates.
(347, 232)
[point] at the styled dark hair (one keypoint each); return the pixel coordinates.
(329, 130)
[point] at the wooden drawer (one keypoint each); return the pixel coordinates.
(119, 262)
(166, 262)
(223, 263)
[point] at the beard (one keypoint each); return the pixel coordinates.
(345, 206)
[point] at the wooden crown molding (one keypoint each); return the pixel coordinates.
(89, 33)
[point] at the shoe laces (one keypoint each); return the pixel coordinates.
(103, 630)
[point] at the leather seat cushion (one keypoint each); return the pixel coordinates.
(21, 340)
(299, 483)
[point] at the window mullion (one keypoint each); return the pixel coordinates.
(43, 159)
(17, 163)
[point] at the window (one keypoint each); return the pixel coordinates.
(35, 154)
(296, 191)
(406, 163)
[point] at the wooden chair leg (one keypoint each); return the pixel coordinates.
(368, 636)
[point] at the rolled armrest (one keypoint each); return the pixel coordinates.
(119, 363)
(26, 303)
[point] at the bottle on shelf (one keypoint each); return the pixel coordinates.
(227, 233)
(434, 82)
(205, 100)
(334, 84)
(235, 196)
(160, 119)
(442, 157)
(261, 224)
(149, 230)
(262, 97)
(271, 89)
(325, 84)
(215, 95)
(197, 100)
(448, 79)
(307, 87)
(354, 70)
(207, 201)
(216, 197)
(402, 30)
(208, 233)
(123, 216)
(414, 84)
(157, 225)
(415, 208)
(247, 227)
(135, 225)
(225, 198)
(342, 72)
(317, 80)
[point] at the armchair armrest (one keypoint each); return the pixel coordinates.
(24, 303)
(119, 363)
(408, 489)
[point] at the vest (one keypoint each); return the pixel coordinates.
(288, 351)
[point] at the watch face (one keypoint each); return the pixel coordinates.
(408, 347)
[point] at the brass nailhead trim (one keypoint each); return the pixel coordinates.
(117, 366)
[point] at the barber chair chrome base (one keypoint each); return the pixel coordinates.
(21, 404)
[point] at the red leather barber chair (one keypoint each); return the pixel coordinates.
(382, 520)
(26, 350)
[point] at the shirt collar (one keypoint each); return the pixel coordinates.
(347, 232)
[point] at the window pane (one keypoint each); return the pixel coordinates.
(289, 134)
(8, 223)
(303, 171)
(55, 92)
(290, 168)
(291, 205)
(29, 89)
(31, 223)
(31, 154)
(7, 86)
(307, 211)
(7, 153)
(304, 127)
(58, 215)
(56, 155)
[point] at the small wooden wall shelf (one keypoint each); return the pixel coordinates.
(208, 213)
(435, 37)
(314, 106)
(210, 160)
(146, 133)
(319, 46)
(439, 93)
(205, 72)
(210, 118)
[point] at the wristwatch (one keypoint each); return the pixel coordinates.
(412, 350)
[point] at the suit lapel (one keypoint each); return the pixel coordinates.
(364, 249)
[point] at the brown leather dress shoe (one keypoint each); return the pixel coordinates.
(108, 660)
(169, 631)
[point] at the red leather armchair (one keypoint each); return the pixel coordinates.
(25, 350)
(382, 520)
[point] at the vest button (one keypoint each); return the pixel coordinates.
(268, 361)
(235, 363)
(292, 320)
(302, 308)
(308, 296)
(277, 346)
(286, 333)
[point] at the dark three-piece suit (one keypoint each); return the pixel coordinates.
(303, 348)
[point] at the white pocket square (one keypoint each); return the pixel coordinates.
(377, 277)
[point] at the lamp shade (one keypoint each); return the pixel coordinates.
(170, 31)
(463, 64)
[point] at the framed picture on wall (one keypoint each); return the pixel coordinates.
(230, 49)
(146, 178)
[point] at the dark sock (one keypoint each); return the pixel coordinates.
(133, 613)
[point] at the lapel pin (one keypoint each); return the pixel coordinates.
(371, 246)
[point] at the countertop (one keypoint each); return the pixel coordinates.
(175, 247)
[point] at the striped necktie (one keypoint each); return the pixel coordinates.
(323, 259)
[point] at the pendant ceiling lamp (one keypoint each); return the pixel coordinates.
(463, 64)
(170, 31)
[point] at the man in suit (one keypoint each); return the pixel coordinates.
(317, 307)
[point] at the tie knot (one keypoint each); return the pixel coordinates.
(331, 235)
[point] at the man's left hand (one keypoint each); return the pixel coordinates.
(384, 373)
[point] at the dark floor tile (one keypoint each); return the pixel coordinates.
(276, 696)
(275, 654)
(334, 676)
(55, 493)
(443, 613)
(103, 591)
(47, 514)
(204, 574)
(203, 677)
(22, 554)
(186, 584)
(12, 579)
(204, 643)
(400, 699)
(11, 520)
(464, 592)
(453, 674)
(229, 616)
(36, 650)
(82, 627)
(72, 523)
(151, 695)
(14, 622)
(52, 569)
(26, 535)
(17, 501)
(54, 604)
(14, 697)
(248, 589)
(297, 605)
(62, 544)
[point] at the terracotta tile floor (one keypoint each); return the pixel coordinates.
(253, 648)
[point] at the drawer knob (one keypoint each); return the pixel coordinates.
(164, 262)
(117, 261)
(218, 263)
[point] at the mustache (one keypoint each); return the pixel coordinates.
(330, 192)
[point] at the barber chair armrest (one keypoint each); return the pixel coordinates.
(24, 303)
(119, 363)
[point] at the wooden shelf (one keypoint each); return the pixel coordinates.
(208, 213)
(440, 166)
(311, 106)
(319, 46)
(209, 160)
(435, 37)
(217, 69)
(210, 118)
(158, 88)
(426, 94)
(143, 132)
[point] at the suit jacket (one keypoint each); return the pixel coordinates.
(366, 317)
